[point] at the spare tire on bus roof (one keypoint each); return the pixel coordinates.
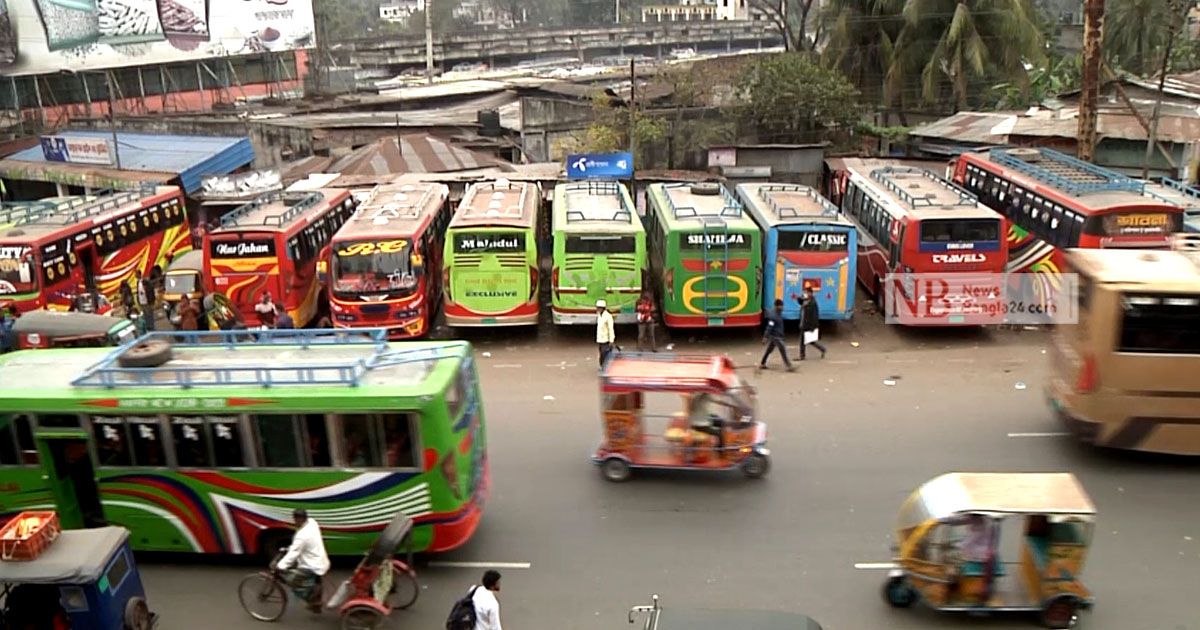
(1026, 154)
(146, 354)
(389, 539)
(705, 188)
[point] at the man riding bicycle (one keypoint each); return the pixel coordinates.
(305, 561)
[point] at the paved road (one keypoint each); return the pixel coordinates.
(847, 449)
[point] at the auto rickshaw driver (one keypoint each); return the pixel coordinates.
(701, 418)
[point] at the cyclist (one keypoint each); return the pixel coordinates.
(305, 561)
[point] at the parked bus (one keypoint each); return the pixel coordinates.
(599, 252)
(386, 262)
(491, 261)
(1053, 201)
(89, 245)
(273, 245)
(705, 256)
(807, 243)
(912, 221)
(1125, 376)
(212, 451)
(1179, 194)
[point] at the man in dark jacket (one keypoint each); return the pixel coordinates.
(810, 322)
(773, 337)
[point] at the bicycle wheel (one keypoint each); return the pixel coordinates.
(405, 588)
(262, 596)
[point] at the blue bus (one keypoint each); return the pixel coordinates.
(1180, 194)
(808, 243)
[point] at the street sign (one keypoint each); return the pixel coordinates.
(600, 165)
(78, 149)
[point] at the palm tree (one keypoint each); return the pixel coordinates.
(862, 34)
(958, 45)
(1135, 33)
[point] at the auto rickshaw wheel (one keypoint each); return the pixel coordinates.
(1061, 612)
(898, 592)
(615, 469)
(137, 614)
(756, 465)
(146, 354)
(361, 618)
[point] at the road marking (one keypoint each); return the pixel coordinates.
(843, 362)
(876, 566)
(1039, 435)
(903, 360)
(479, 565)
(960, 360)
(507, 365)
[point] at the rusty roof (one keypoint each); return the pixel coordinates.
(413, 153)
(1001, 128)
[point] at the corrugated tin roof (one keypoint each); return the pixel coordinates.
(191, 157)
(998, 128)
(413, 153)
(299, 169)
(981, 127)
(460, 115)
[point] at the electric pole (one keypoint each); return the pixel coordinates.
(1093, 51)
(429, 41)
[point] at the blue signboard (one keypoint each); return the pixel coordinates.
(600, 165)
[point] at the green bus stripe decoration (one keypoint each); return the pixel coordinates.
(431, 400)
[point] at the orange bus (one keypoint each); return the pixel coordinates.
(272, 245)
(386, 260)
(91, 244)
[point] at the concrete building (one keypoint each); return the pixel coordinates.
(399, 10)
(698, 10)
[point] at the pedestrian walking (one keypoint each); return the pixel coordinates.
(606, 336)
(810, 323)
(487, 606)
(773, 337)
(146, 298)
(126, 298)
(189, 314)
(266, 311)
(645, 320)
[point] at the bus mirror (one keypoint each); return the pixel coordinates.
(322, 270)
(418, 263)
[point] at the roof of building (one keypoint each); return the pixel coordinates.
(413, 153)
(500, 202)
(999, 128)
(189, 157)
(395, 209)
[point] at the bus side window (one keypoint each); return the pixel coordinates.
(147, 439)
(112, 441)
(317, 440)
(356, 441)
(379, 440)
(226, 442)
(10, 455)
(58, 420)
(191, 442)
(278, 441)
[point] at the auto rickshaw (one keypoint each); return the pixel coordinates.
(184, 277)
(83, 578)
(658, 619)
(65, 329)
(948, 538)
(715, 430)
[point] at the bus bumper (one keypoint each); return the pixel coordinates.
(464, 321)
(713, 321)
(571, 318)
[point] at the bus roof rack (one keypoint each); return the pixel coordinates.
(732, 207)
(887, 176)
(495, 208)
(598, 188)
(109, 374)
(792, 212)
(1064, 172)
(76, 209)
(380, 211)
(295, 202)
(1187, 242)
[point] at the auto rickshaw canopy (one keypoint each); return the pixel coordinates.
(644, 371)
(77, 556)
(956, 494)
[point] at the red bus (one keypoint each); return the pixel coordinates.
(385, 267)
(272, 245)
(91, 244)
(913, 221)
(1053, 202)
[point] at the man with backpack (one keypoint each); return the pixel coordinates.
(479, 610)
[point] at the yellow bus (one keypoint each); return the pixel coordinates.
(1125, 376)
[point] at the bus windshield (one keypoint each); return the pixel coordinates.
(1160, 323)
(960, 230)
(371, 267)
(17, 270)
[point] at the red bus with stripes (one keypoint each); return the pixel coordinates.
(272, 245)
(913, 221)
(1053, 202)
(54, 250)
(385, 267)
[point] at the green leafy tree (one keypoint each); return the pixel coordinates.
(791, 97)
(613, 126)
(1134, 33)
(861, 40)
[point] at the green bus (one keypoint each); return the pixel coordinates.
(211, 447)
(599, 252)
(705, 256)
(490, 266)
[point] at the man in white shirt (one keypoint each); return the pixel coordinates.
(605, 335)
(487, 607)
(306, 561)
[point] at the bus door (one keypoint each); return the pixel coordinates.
(67, 467)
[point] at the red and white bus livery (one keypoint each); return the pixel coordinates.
(385, 264)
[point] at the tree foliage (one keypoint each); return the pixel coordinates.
(614, 126)
(861, 40)
(791, 19)
(791, 97)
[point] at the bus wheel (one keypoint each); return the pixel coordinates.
(615, 469)
(146, 354)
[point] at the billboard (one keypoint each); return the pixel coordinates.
(78, 149)
(600, 165)
(47, 36)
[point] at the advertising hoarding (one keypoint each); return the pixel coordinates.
(48, 36)
(77, 149)
(600, 165)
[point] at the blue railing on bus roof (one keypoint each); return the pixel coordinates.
(294, 202)
(1056, 169)
(76, 209)
(600, 187)
(350, 371)
(1187, 189)
(885, 175)
(791, 212)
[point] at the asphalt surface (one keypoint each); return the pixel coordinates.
(846, 451)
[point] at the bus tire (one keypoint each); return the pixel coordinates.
(705, 188)
(137, 614)
(146, 354)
